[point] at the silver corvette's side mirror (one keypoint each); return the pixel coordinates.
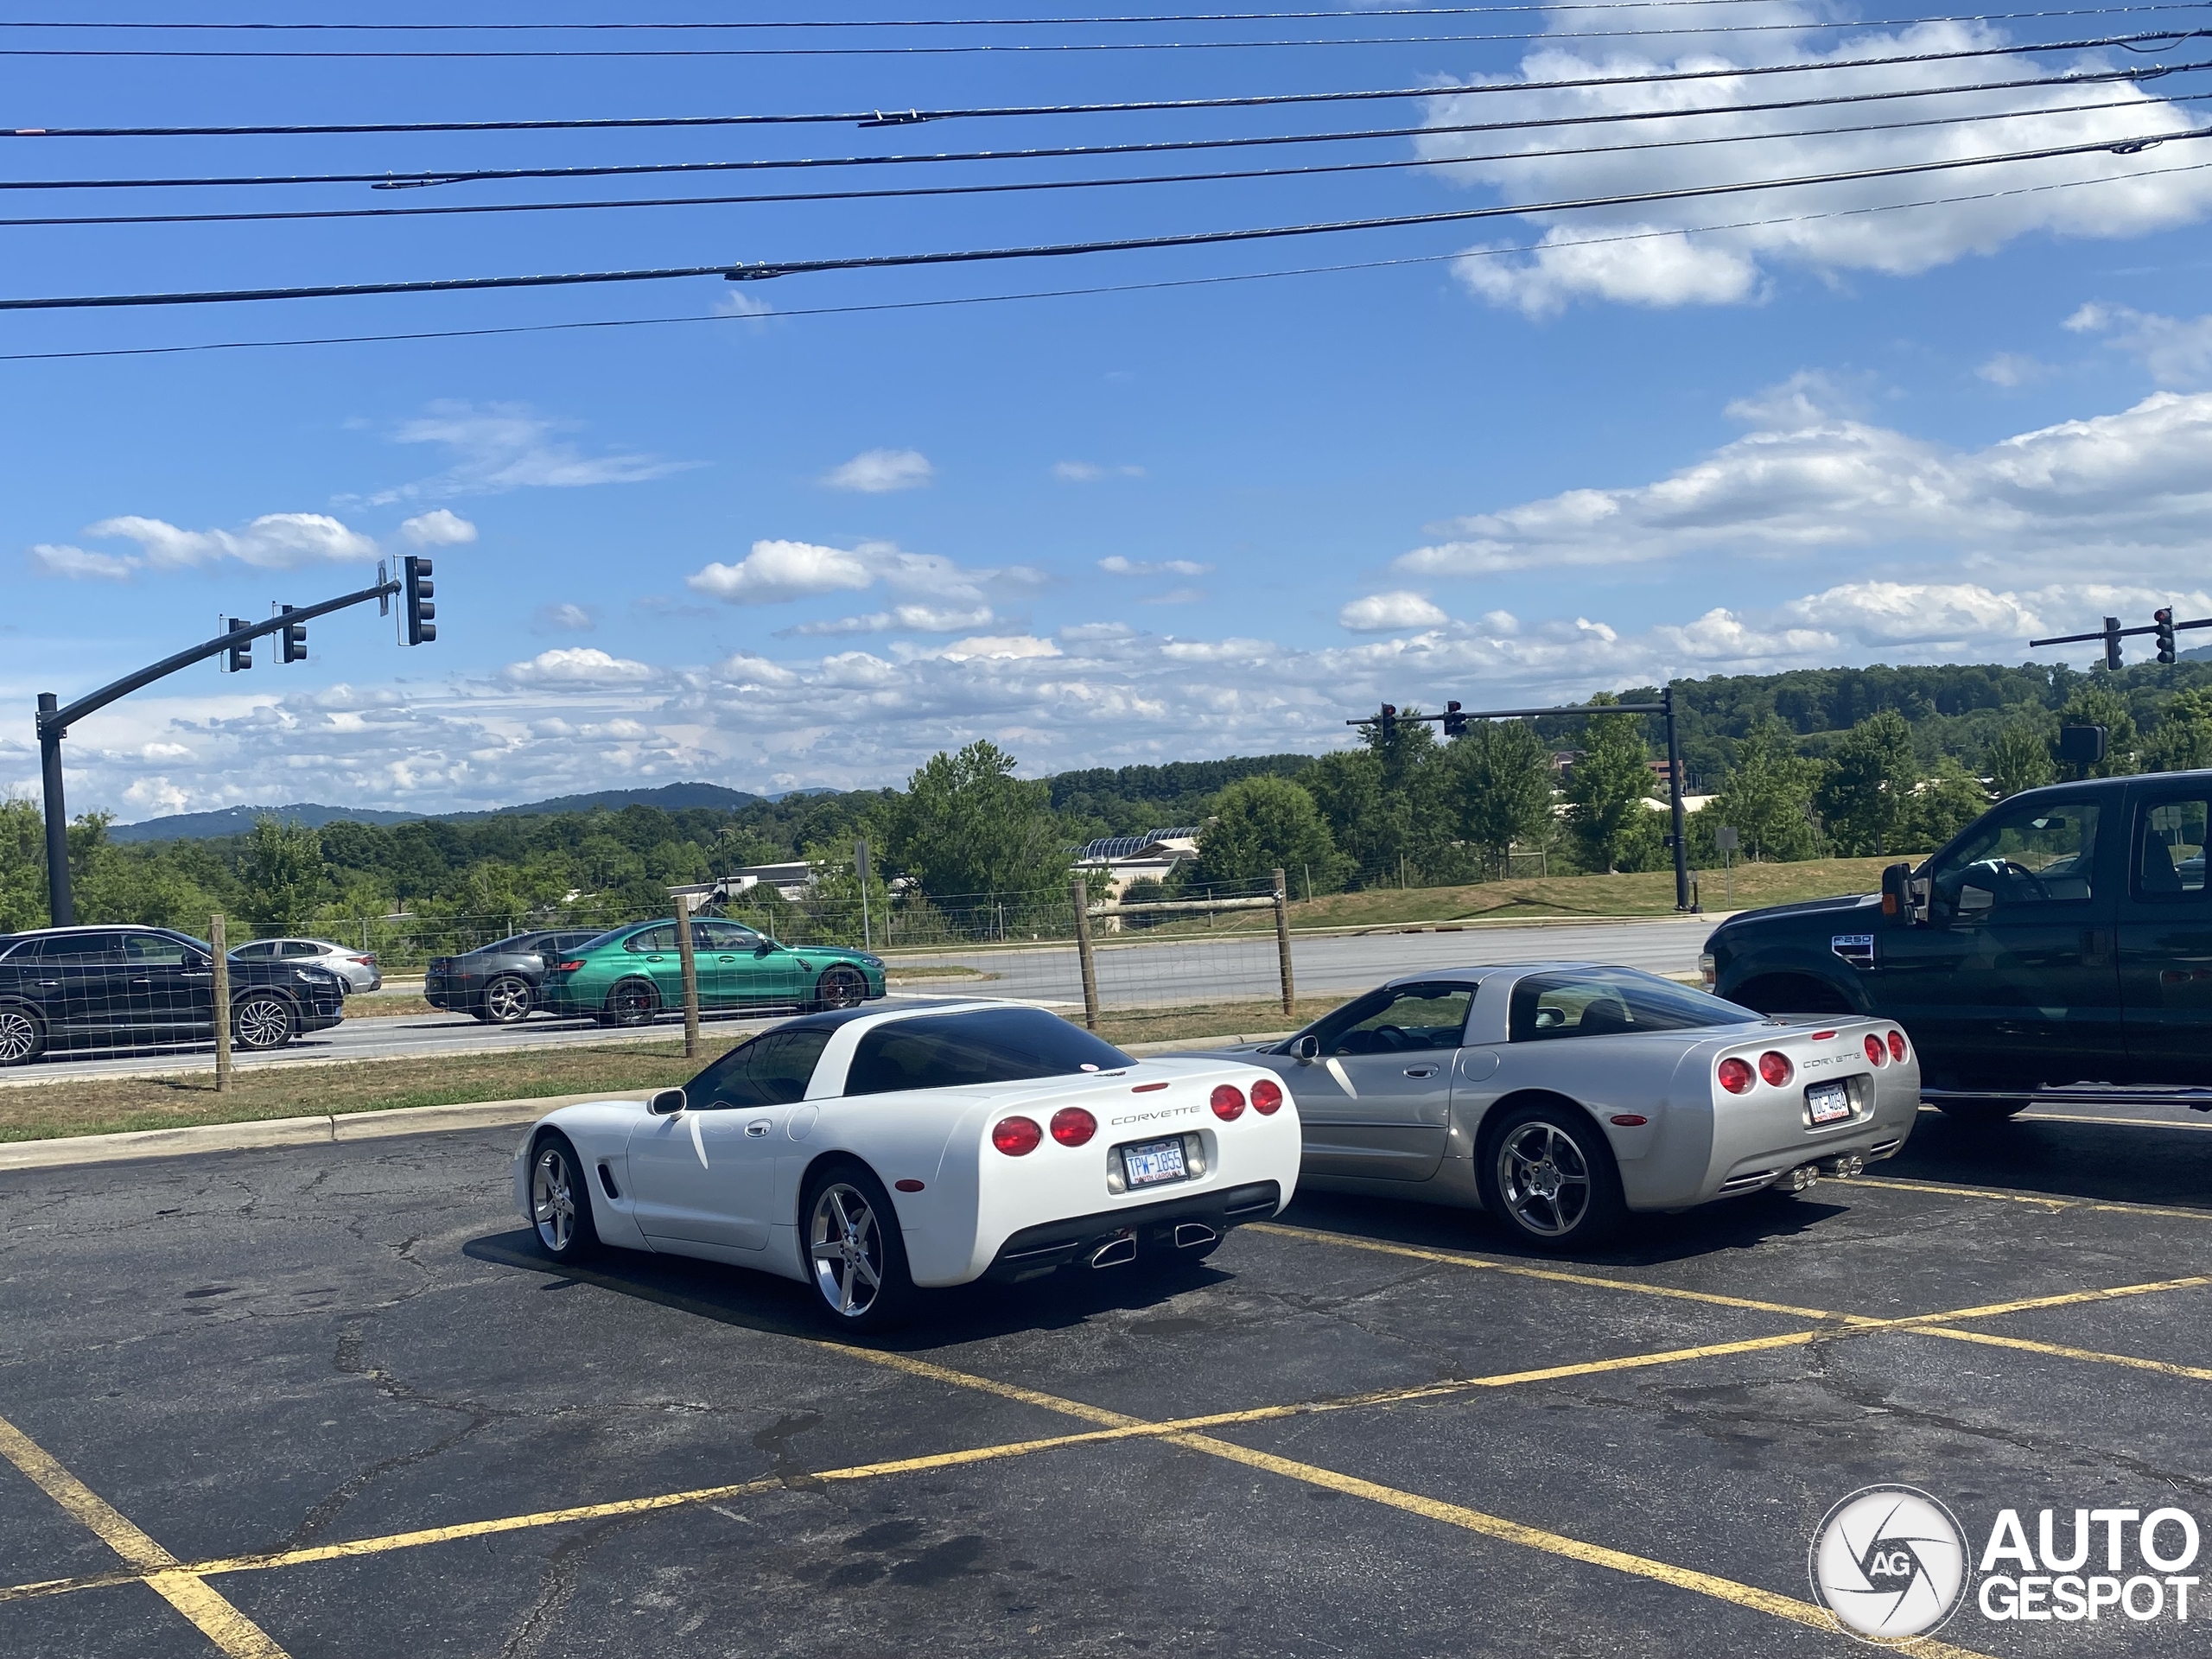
(666, 1103)
(1307, 1049)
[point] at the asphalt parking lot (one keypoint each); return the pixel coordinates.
(329, 1400)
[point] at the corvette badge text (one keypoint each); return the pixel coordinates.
(1892, 1563)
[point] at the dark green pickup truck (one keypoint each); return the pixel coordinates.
(2061, 943)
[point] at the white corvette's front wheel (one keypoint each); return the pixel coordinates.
(855, 1259)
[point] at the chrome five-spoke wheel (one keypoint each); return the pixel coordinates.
(507, 1001)
(559, 1206)
(845, 1248)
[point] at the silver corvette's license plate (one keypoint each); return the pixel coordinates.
(1155, 1161)
(1827, 1102)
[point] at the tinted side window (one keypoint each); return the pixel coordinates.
(154, 947)
(2170, 851)
(1407, 1017)
(655, 938)
(68, 948)
(2037, 853)
(722, 936)
(953, 1051)
(772, 1069)
(1605, 1004)
(299, 948)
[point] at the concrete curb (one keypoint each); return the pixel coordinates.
(321, 1130)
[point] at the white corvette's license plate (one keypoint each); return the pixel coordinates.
(1827, 1102)
(1155, 1161)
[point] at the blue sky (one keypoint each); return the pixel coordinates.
(1168, 522)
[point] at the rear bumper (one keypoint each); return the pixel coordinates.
(1052, 1245)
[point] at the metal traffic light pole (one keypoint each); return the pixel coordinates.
(55, 721)
(1455, 719)
(2112, 633)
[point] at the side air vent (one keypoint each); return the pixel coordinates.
(606, 1181)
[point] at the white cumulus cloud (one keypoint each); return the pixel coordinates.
(876, 472)
(902, 619)
(776, 571)
(439, 527)
(79, 564)
(2176, 351)
(1383, 613)
(276, 541)
(577, 664)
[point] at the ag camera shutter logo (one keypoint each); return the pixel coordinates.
(1891, 1563)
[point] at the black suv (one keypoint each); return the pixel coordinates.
(2064, 937)
(499, 983)
(140, 987)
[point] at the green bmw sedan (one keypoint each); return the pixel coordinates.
(626, 977)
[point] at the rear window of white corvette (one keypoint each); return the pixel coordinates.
(950, 1051)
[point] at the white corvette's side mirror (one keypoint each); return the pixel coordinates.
(666, 1103)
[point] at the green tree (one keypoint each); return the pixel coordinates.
(2183, 740)
(1866, 796)
(968, 825)
(1264, 824)
(1347, 788)
(1767, 796)
(1497, 783)
(2095, 704)
(1949, 798)
(1607, 790)
(23, 865)
(2020, 759)
(282, 874)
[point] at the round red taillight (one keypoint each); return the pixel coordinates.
(1897, 1046)
(1267, 1096)
(1875, 1053)
(1016, 1136)
(1736, 1076)
(1072, 1126)
(1228, 1101)
(1776, 1068)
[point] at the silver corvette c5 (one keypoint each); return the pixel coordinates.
(1561, 1095)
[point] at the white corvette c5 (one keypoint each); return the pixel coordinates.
(867, 1152)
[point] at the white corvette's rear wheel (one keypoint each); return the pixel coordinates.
(855, 1259)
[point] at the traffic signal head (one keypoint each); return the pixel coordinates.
(2164, 621)
(1455, 723)
(421, 630)
(241, 654)
(296, 640)
(2112, 644)
(1386, 723)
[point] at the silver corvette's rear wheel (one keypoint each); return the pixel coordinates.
(855, 1256)
(1550, 1177)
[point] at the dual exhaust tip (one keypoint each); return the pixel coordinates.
(1842, 1167)
(1122, 1246)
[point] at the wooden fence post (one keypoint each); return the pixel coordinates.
(1282, 941)
(1080, 891)
(687, 954)
(222, 966)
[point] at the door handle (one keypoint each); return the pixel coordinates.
(757, 1127)
(1420, 1071)
(49, 984)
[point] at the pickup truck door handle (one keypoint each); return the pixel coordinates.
(2097, 946)
(1420, 1071)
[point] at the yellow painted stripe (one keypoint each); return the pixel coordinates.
(2129, 1122)
(1556, 1276)
(2095, 1205)
(2164, 1366)
(2064, 1299)
(1550, 1544)
(228, 1629)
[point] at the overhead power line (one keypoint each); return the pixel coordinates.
(1250, 101)
(1019, 48)
(1073, 293)
(391, 181)
(1031, 185)
(763, 270)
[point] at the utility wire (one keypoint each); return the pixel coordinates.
(1027, 186)
(390, 181)
(1261, 100)
(1338, 15)
(1024, 49)
(1073, 293)
(765, 269)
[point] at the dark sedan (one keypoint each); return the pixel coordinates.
(502, 984)
(140, 987)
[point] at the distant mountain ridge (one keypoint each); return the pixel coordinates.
(239, 820)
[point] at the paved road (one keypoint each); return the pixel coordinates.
(257, 1357)
(1130, 975)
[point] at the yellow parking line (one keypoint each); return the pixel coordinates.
(2128, 1122)
(2164, 1366)
(1517, 1270)
(2107, 1205)
(184, 1590)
